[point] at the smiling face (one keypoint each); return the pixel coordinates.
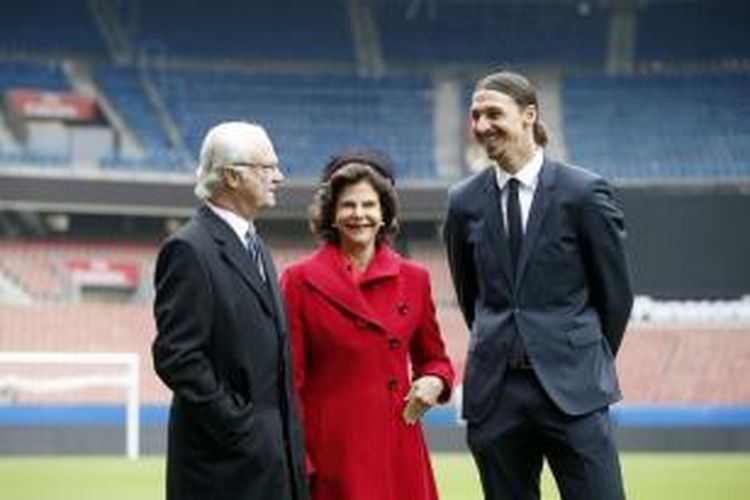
(503, 128)
(358, 216)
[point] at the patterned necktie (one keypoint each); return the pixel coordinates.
(515, 227)
(253, 248)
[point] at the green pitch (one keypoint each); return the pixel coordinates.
(647, 477)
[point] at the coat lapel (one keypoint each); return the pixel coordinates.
(326, 274)
(494, 228)
(538, 210)
(234, 253)
(273, 287)
(385, 264)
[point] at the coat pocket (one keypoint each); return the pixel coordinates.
(583, 336)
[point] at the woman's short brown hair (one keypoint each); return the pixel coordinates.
(323, 208)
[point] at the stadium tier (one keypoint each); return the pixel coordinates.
(669, 356)
(50, 27)
(51, 271)
(558, 32)
(661, 364)
(123, 86)
(692, 31)
(669, 126)
(126, 90)
(296, 66)
(235, 29)
(310, 117)
(42, 75)
(492, 32)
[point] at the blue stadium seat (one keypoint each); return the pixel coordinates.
(124, 88)
(236, 29)
(492, 32)
(44, 160)
(311, 117)
(693, 31)
(50, 27)
(41, 76)
(660, 126)
(159, 160)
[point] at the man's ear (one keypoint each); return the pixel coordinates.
(530, 113)
(231, 178)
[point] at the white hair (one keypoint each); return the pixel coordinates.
(224, 144)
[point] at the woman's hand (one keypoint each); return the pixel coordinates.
(423, 395)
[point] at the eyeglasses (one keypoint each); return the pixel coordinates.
(260, 166)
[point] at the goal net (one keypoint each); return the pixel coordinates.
(44, 378)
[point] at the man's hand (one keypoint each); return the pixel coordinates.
(423, 395)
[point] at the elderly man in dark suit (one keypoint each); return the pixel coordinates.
(222, 345)
(535, 249)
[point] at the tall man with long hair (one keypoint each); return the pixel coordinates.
(535, 249)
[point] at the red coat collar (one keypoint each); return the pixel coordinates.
(326, 272)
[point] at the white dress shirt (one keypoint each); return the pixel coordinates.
(240, 226)
(528, 179)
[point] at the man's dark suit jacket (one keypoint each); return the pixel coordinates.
(222, 348)
(570, 299)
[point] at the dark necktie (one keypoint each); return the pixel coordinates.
(253, 248)
(517, 355)
(515, 227)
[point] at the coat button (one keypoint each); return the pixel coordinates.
(393, 343)
(392, 383)
(403, 308)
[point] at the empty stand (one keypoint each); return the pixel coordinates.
(235, 29)
(310, 117)
(42, 268)
(685, 365)
(658, 364)
(38, 76)
(662, 361)
(49, 27)
(84, 327)
(659, 127)
(693, 31)
(125, 89)
(492, 32)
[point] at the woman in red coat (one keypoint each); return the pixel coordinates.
(368, 356)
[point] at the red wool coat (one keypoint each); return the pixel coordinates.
(353, 345)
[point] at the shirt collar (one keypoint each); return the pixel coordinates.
(240, 226)
(528, 176)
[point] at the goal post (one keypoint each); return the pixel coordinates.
(129, 380)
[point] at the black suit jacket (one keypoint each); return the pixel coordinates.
(570, 300)
(222, 348)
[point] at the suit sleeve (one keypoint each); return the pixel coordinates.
(183, 312)
(460, 261)
(606, 263)
(427, 349)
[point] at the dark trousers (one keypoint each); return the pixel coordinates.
(526, 427)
